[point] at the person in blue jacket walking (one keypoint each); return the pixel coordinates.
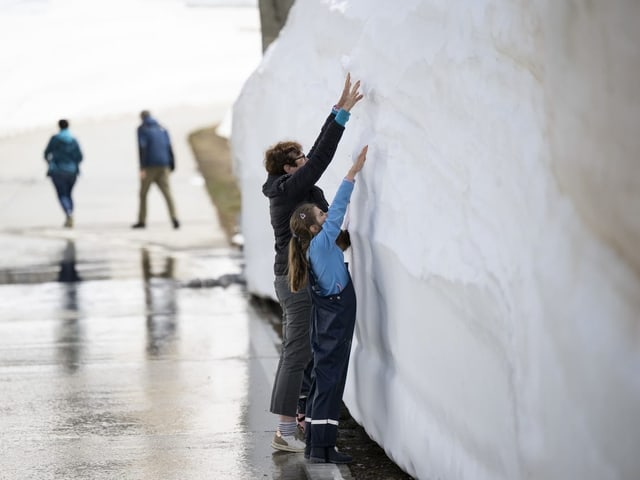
(156, 163)
(317, 261)
(63, 156)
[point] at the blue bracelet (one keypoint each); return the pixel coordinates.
(342, 117)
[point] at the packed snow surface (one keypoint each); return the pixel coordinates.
(495, 225)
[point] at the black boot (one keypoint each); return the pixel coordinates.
(317, 455)
(307, 435)
(329, 455)
(335, 456)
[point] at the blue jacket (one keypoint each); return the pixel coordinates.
(154, 145)
(326, 258)
(63, 154)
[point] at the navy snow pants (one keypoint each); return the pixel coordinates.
(333, 322)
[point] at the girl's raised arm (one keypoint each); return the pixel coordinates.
(358, 164)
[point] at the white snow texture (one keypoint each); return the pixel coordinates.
(495, 225)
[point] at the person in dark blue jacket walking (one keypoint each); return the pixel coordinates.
(63, 155)
(317, 261)
(156, 163)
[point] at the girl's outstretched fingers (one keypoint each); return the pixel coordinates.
(358, 164)
(362, 157)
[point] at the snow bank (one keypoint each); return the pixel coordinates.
(495, 226)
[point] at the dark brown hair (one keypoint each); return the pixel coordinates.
(279, 155)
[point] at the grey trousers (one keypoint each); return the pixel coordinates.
(159, 176)
(294, 368)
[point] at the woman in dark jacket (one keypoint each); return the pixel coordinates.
(63, 155)
(291, 180)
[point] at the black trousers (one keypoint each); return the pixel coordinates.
(63, 183)
(333, 322)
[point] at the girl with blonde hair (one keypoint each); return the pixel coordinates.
(317, 261)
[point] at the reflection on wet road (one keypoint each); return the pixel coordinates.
(160, 302)
(113, 366)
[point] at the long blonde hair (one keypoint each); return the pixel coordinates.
(302, 219)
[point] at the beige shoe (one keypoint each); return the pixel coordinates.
(287, 443)
(68, 223)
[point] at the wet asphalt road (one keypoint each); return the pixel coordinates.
(113, 363)
(120, 368)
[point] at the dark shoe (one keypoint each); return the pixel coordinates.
(307, 451)
(307, 439)
(176, 223)
(317, 455)
(138, 225)
(329, 455)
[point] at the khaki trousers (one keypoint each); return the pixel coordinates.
(159, 176)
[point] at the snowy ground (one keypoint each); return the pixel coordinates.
(92, 59)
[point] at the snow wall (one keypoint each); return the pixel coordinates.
(495, 227)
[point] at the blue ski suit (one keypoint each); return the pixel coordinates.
(333, 321)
